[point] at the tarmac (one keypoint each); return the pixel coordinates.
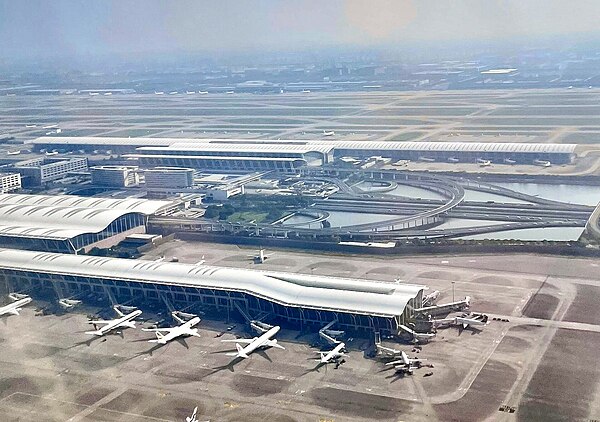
(542, 362)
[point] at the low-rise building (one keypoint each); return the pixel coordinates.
(115, 176)
(169, 177)
(10, 182)
(37, 171)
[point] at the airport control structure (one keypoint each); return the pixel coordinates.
(299, 300)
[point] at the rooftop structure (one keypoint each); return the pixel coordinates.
(294, 297)
(70, 223)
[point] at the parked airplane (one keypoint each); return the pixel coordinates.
(264, 341)
(190, 92)
(159, 92)
(202, 92)
(484, 163)
(328, 133)
(185, 329)
(465, 320)
(473, 319)
(542, 163)
(333, 355)
(68, 303)
(405, 363)
(15, 307)
(125, 321)
(405, 360)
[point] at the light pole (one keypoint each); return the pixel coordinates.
(453, 291)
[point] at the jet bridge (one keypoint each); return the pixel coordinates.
(444, 308)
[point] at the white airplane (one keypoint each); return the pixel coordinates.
(159, 92)
(484, 163)
(190, 92)
(542, 163)
(230, 92)
(465, 320)
(15, 307)
(332, 355)
(68, 303)
(306, 91)
(264, 341)
(509, 161)
(125, 321)
(185, 329)
(202, 92)
(473, 319)
(405, 362)
(328, 133)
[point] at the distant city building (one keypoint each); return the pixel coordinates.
(169, 177)
(10, 182)
(37, 171)
(115, 176)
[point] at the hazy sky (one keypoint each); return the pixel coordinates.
(48, 27)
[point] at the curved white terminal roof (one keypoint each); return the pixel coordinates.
(506, 147)
(304, 291)
(143, 206)
(64, 217)
(242, 147)
(321, 144)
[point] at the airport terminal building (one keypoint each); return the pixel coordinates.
(249, 154)
(71, 224)
(299, 300)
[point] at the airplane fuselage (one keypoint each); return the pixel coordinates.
(261, 341)
(14, 307)
(124, 321)
(185, 329)
(333, 354)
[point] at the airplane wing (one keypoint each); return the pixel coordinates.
(12, 311)
(239, 340)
